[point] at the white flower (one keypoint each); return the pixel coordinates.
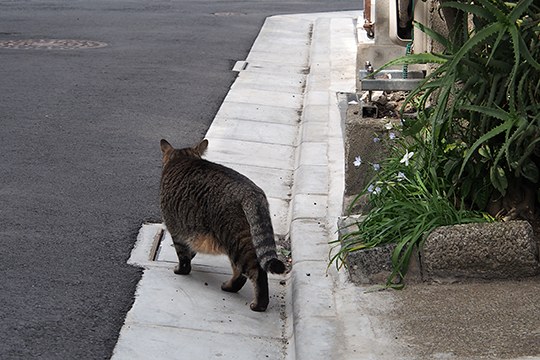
(357, 161)
(392, 136)
(374, 190)
(376, 167)
(376, 139)
(408, 155)
(388, 126)
(400, 176)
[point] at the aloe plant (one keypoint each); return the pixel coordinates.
(483, 100)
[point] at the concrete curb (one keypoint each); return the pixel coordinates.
(315, 318)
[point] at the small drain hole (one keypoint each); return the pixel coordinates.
(156, 244)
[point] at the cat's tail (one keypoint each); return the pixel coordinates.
(262, 234)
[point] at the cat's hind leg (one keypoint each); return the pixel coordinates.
(184, 257)
(259, 278)
(236, 282)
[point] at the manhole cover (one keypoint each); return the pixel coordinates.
(51, 44)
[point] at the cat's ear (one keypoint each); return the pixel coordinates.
(201, 148)
(165, 146)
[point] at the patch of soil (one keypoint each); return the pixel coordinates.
(283, 247)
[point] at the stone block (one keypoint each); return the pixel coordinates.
(374, 266)
(370, 266)
(483, 251)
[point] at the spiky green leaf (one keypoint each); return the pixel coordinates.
(498, 179)
(470, 9)
(490, 134)
(519, 9)
(478, 38)
(441, 39)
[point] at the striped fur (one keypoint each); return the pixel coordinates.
(213, 209)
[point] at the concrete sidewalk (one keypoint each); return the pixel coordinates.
(280, 125)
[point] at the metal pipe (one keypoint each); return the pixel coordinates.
(368, 24)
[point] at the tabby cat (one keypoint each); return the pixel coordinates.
(210, 208)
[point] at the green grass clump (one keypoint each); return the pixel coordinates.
(408, 199)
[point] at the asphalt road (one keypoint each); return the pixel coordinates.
(79, 150)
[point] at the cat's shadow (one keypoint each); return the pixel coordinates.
(202, 287)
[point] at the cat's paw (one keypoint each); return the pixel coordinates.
(256, 307)
(234, 285)
(182, 269)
